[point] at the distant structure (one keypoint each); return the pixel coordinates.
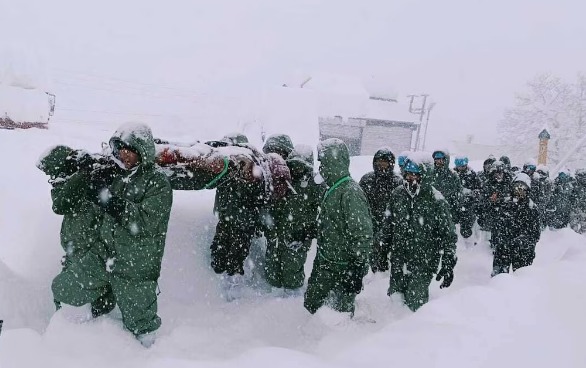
(24, 102)
(544, 138)
(22, 108)
(367, 115)
(364, 136)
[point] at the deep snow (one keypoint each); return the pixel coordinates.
(533, 318)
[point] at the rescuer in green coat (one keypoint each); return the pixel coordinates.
(421, 233)
(344, 239)
(135, 214)
(294, 224)
(447, 182)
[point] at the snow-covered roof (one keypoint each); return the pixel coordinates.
(358, 98)
(24, 105)
(392, 111)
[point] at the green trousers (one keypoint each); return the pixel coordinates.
(88, 281)
(414, 284)
(284, 263)
(323, 287)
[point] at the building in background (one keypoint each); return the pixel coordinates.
(23, 100)
(364, 135)
(25, 108)
(366, 115)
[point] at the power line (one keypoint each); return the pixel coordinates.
(141, 93)
(115, 112)
(102, 77)
(123, 113)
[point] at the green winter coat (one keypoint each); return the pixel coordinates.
(280, 144)
(578, 211)
(81, 218)
(449, 185)
(344, 225)
(239, 203)
(70, 197)
(133, 235)
(420, 230)
(294, 225)
(560, 203)
(295, 215)
(344, 239)
(137, 238)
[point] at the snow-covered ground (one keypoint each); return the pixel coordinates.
(533, 318)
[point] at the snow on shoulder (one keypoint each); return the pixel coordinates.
(438, 195)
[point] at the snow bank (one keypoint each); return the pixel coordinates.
(531, 318)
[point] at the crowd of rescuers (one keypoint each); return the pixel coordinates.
(116, 206)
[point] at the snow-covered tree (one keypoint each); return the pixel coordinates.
(552, 103)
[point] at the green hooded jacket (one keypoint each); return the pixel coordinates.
(420, 229)
(137, 238)
(344, 222)
(278, 143)
(448, 183)
(81, 217)
(295, 215)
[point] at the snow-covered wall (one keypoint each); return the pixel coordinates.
(23, 82)
(24, 105)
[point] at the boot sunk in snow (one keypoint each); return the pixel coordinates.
(104, 305)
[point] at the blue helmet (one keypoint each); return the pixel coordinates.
(438, 155)
(401, 160)
(461, 161)
(411, 167)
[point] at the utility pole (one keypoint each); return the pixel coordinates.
(419, 111)
(431, 106)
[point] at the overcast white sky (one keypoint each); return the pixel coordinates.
(471, 56)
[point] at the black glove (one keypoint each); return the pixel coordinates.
(83, 160)
(352, 278)
(100, 179)
(112, 205)
(447, 273)
(104, 174)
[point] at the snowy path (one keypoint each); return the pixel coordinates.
(533, 318)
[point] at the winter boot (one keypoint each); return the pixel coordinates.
(362, 313)
(469, 242)
(292, 293)
(104, 304)
(147, 339)
(233, 287)
(76, 314)
(332, 318)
